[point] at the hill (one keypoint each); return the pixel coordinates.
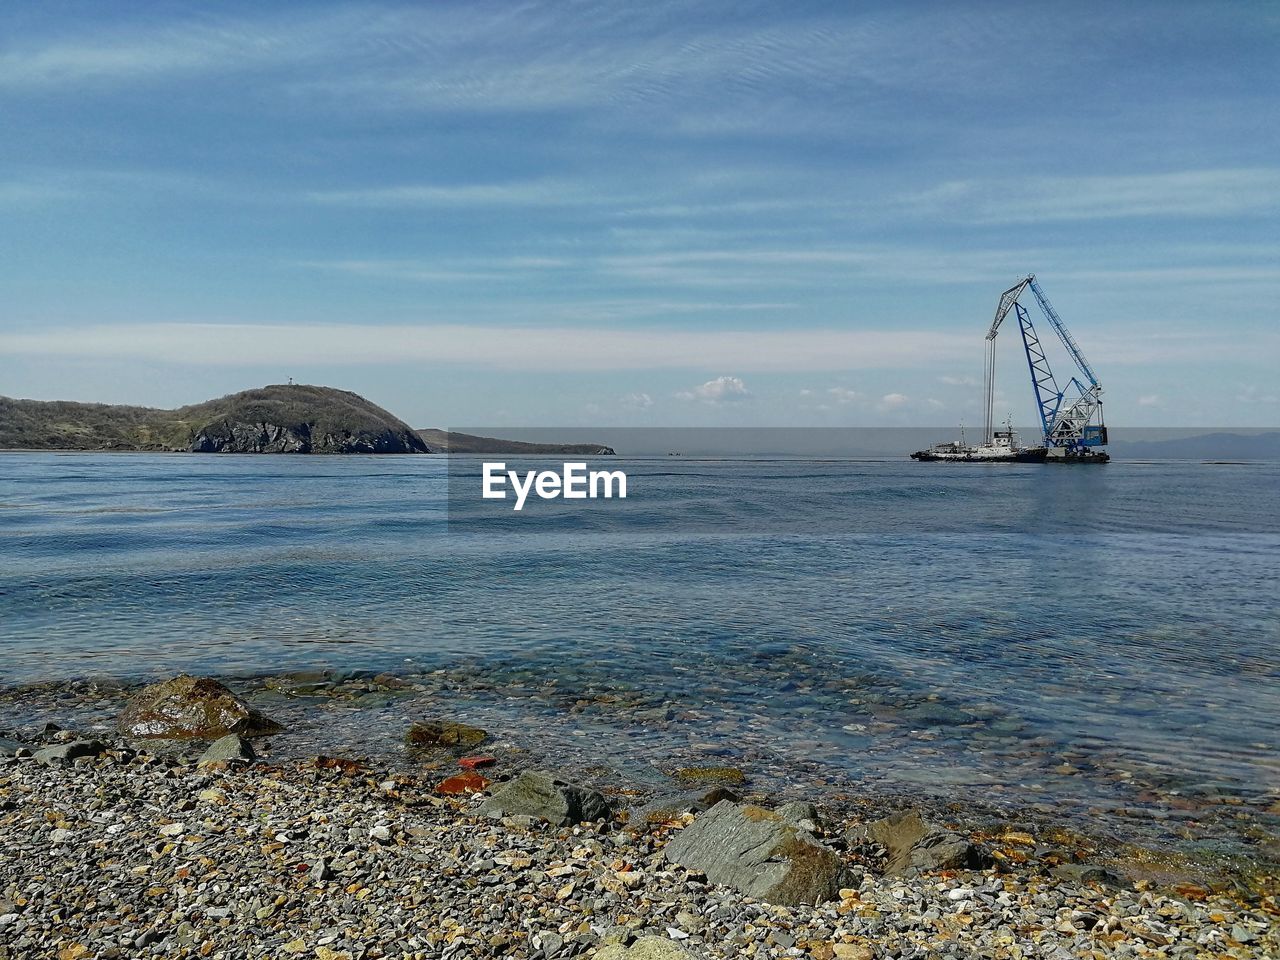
(282, 418)
(442, 441)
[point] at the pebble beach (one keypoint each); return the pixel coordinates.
(120, 846)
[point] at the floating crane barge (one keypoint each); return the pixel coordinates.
(1067, 414)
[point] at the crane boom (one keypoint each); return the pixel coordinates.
(1061, 329)
(1067, 420)
(1007, 300)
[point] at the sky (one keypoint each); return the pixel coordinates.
(669, 214)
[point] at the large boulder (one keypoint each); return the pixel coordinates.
(191, 707)
(917, 846)
(543, 795)
(759, 853)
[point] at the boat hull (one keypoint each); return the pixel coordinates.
(1032, 455)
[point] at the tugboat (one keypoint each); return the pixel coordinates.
(1002, 448)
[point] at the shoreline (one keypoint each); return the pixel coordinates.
(123, 853)
(362, 716)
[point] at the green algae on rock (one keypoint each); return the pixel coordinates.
(729, 775)
(444, 733)
(189, 707)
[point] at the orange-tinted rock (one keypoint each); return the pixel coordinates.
(463, 783)
(341, 764)
(191, 707)
(475, 763)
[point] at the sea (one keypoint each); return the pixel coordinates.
(1100, 640)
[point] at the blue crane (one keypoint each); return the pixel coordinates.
(1066, 413)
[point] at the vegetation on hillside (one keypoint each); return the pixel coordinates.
(302, 410)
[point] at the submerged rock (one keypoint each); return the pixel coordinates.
(759, 853)
(539, 794)
(444, 733)
(191, 707)
(917, 846)
(729, 775)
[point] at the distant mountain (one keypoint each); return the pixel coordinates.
(1205, 446)
(282, 418)
(441, 441)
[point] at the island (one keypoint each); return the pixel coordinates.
(279, 418)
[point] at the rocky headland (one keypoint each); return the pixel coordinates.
(188, 828)
(282, 418)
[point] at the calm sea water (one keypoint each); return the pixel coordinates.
(1079, 634)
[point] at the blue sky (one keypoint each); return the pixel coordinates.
(620, 213)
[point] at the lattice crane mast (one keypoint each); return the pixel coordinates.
(1067, 413)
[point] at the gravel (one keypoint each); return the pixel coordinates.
(132, 854)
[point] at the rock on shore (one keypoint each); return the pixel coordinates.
(189, 707)
(544, 796)
(758, 852)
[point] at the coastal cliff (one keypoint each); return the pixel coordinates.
(282, 418)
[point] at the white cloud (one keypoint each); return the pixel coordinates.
(958, 381)
(893, 401)
(637, 401)
(1149, 400)
(719, 390)
(843, 394)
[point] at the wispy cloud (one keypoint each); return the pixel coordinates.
(1253, 394)
(18, 193)
(444, 270)
(146, 51)
(544, 348)
(1185, 193)
(528, 193)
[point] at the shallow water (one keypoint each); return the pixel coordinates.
(1081, 636)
